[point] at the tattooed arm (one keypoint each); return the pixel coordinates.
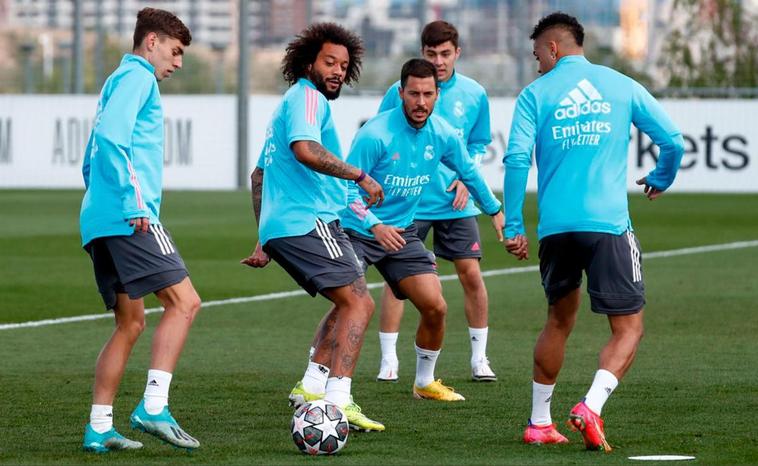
(257, 258)
(256, 184)
(316, 157)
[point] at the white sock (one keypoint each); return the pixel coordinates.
(478, 337)
(602, 387)
(425, 362)
(338, 390)
(314, 380)
(101, 418)
(310, 353)
(541, 396)
(388, 343)
(156, 390)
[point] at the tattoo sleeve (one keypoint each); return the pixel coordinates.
(256, 184)
(327, 163)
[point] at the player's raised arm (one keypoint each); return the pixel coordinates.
(315, 156)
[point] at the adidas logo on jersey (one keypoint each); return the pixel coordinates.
(584, 99)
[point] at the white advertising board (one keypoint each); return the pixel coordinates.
(42, 140)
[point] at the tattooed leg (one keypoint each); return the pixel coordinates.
(353, 308)
(323, 340)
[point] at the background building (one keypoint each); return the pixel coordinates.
(35, 35)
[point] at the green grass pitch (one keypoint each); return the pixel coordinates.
(693, 389)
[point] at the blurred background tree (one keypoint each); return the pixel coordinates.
(713, 44)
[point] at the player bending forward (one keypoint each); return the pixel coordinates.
(445, 205)
(403, 148)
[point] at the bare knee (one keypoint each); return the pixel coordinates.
(359, 305)
(366, 303)
(628, 327)
(635, 333)
(369, 304)
(132, 328)
(639, 331)
(471, 280)
(195, 303)
(563, 323)
(436, 311)
(193, 306)
(186, 306)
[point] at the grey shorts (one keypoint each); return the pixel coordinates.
(613, 264)
(412, 259)
(453, 239)
(318, 260)
(139, 264)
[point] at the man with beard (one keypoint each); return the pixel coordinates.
(403, 148)
(296, 209)
(445, 205)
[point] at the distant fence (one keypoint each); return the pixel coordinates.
(709, 92)
(42, 140)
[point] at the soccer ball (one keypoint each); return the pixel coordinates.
(319, 428)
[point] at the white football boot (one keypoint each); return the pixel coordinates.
(481, 371)
(387, 372)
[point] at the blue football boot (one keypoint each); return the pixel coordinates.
(107, 441)
(162, 425)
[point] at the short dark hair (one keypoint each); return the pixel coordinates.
(160, 22)
(439, 32)
(559, 19)
(304, 49)
(418, 68)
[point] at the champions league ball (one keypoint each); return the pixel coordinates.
(319, 428)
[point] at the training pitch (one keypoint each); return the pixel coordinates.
(692, 391)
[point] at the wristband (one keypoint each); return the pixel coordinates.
(361, 177)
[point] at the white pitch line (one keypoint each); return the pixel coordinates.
(290, 294)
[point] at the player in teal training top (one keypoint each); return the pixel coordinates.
(304, 194)
(402, 149)
(579, 115)
(298, 188)
(132, 253)
(445, 205)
